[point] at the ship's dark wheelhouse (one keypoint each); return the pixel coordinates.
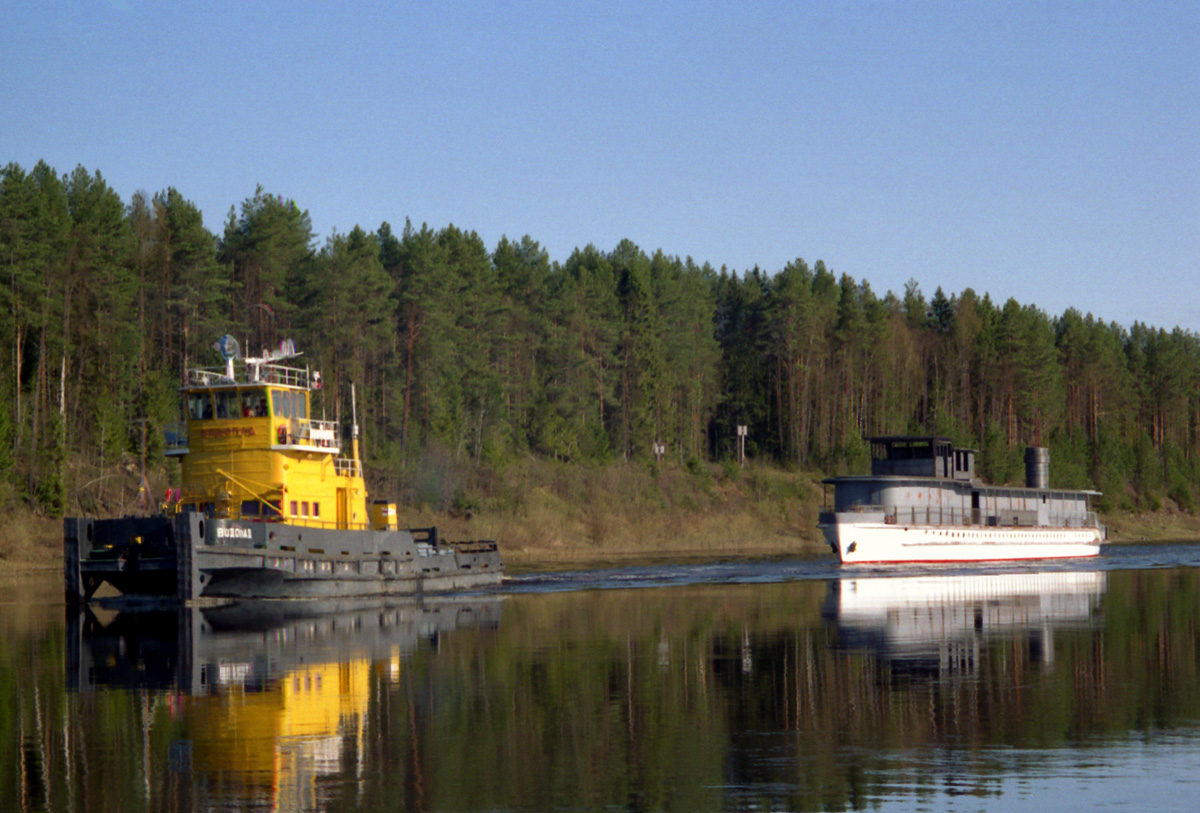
(921, 456)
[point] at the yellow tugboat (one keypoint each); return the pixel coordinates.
(271, 505)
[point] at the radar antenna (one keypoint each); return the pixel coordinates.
(229, 349)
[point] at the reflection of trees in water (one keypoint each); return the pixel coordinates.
(690, 697)
(750, 687)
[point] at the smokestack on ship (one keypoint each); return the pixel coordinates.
(1037, 467)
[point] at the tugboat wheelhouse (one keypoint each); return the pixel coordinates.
(289, 466)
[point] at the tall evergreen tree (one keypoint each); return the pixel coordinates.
(743, 331)
(188, 300)
(578, 399)
(523, 275)
(265, 248)
(348, 309)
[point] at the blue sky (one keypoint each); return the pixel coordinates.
(1046, 151)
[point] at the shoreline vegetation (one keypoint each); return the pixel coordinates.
(550, 516)
(577, 410)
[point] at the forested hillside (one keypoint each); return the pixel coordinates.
(482, 355)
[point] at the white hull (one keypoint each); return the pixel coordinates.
(879, 542)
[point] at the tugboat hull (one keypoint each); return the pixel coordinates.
(190, 556)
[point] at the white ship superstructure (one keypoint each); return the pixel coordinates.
(922, 503)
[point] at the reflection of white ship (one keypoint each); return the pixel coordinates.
(940, 623)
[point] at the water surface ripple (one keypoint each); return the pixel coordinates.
(728, 685)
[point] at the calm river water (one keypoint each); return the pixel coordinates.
(785, 685)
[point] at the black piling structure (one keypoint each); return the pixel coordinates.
(189, 532)
(76, 547)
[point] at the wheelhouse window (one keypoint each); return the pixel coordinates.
(254, 403)
(288, 404)
(200, 405)
(228, 404)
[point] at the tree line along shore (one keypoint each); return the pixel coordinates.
(484, 376)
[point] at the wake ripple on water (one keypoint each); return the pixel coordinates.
(768, 571)
(674, 575)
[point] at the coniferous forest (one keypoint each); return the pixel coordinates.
(484, 355)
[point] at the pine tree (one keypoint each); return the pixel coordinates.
(189, 291)
(574, 418)
(523, 276)
(265, 249)
(348, 312)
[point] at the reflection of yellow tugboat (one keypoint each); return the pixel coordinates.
(267, 699)
(283, 737)
(270, 505)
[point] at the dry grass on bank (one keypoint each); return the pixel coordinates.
(1168, 524)
(542, 512)
(29, 542)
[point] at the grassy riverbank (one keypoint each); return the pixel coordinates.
(547, 515)
(1168, 524)
(543, 513)
(29, 542)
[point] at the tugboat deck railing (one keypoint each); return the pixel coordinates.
(257, 374)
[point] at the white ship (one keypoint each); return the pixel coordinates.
(922, 503)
